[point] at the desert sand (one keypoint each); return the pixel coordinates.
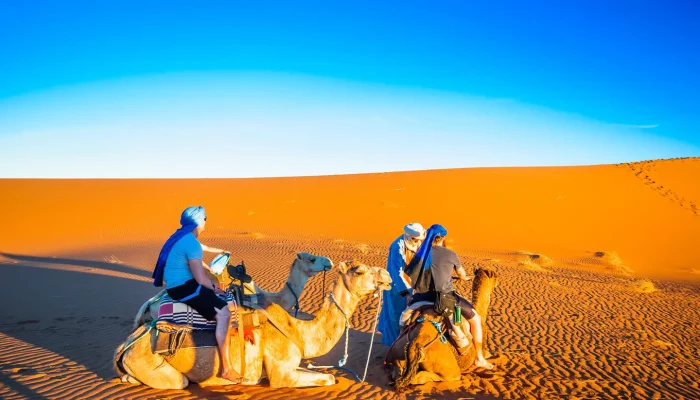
(599, 273)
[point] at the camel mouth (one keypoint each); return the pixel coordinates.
(384, 281)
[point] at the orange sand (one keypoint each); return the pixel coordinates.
(599, 266)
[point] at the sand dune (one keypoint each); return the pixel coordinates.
(598, 292)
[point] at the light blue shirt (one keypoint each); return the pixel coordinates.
(177, 268)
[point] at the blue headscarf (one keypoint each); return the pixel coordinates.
(424, 256)
(190, 219)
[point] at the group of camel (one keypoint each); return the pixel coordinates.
(281, 340)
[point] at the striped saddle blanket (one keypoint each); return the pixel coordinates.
(176, 313)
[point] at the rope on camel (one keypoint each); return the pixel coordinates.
(343, 361)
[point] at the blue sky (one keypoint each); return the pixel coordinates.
(233, 89)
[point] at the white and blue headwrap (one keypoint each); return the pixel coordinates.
(190, 219)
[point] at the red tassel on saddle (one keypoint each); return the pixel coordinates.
(248, 335)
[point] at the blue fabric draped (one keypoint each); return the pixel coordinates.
(190, 219)
(424, 256)
(393, 303)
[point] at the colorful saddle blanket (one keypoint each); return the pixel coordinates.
(176, 313)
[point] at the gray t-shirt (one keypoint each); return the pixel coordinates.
(444, 262)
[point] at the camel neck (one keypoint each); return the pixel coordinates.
(296, 279)
(291, 291)
(323, 332)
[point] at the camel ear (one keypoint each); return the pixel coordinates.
(300, 256)
(343, 267)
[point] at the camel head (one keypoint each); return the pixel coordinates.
(362, 280)
(311, 264)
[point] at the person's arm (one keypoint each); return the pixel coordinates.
(197, 268)
(193, 252)
(209, 249)
(201, 277)
(396, 264)
(207, 267)
(461, 273)
(406, 280)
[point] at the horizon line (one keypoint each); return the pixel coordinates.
(357, 173)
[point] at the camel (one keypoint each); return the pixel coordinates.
(304, 267)
(280, 342)
(420, 357)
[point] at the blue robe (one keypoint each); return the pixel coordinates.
(393, 304)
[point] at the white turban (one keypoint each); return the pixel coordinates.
(414, 229)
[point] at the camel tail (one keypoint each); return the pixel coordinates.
(135, 336)
(415, 353)
(141, 315)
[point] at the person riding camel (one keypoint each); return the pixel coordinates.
(431, 274)
(180, 265)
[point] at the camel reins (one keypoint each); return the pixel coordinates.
(343, 360)
(296, 299)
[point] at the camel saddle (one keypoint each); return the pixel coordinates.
(180, 326)
(177, 330)
(425, 311)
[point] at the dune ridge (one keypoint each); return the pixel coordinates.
(646, 171)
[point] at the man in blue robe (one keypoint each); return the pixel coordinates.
(396, 299)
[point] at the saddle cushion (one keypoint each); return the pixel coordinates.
(176, 313)
(413, 311)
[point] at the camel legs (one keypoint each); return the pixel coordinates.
(151, 369)
(427, 360)
(284, 371)
(300, 377)
(426, 377)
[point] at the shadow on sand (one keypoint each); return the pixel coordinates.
(114, 267)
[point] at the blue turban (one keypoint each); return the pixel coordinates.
(190, 219)
(420, 264)
(193, 216)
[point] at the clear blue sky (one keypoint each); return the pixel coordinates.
(212, 89)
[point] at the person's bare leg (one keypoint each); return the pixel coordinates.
(457, 334)
(475, 325)
(223, 320)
